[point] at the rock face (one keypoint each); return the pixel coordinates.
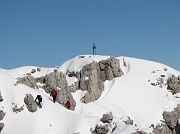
(172, 125)
(173, 83)
(109, 69)
(172, 119)
(29, 101)
(28, 80)
(163, 129)
(57, 80)
(63, 96)
(92, 76)
(89, 79)
(54, 80)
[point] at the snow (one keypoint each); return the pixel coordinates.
(131, 95)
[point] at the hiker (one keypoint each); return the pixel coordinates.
(54, 94)
(68, 104)
(39, 102)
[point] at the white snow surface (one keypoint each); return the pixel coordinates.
(130, 95)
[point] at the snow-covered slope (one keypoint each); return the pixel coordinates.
(131, 95)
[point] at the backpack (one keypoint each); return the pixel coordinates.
(68, 104)
(54, 93)
(39, 98)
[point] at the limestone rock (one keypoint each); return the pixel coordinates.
(38, 69)
(171, 118)
(29, 101)
(101, 129)
(33, 70)
(110, 69)
(40, 79)
(107, 118)
(129, 121)
(73, 87)
(54, 80)
(92, 76)
(2, 114)
(162, 129)
(1, 126)
(173, 83)
(172, 123)
(28, 80)
(63, 96)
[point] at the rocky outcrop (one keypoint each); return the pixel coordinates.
(129, 121)
(57, 80)
(2, 114)
(173, 83)
(28, 80)
(101, 129)
(109, 69)
(162, 129)
(172, 123)
(29, 101)
(92, 76)
(89, 79)
(106, 125)
(107, 118)
(63, 96)
(53, 80)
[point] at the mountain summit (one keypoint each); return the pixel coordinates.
(108, 95)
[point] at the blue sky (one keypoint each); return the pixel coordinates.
(47, 33)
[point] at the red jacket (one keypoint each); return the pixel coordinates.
(68, 105)
(53, 93)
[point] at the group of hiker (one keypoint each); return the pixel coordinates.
(53, 93)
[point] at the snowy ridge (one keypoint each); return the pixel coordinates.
(131, 95)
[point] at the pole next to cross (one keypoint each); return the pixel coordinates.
(94, 49)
